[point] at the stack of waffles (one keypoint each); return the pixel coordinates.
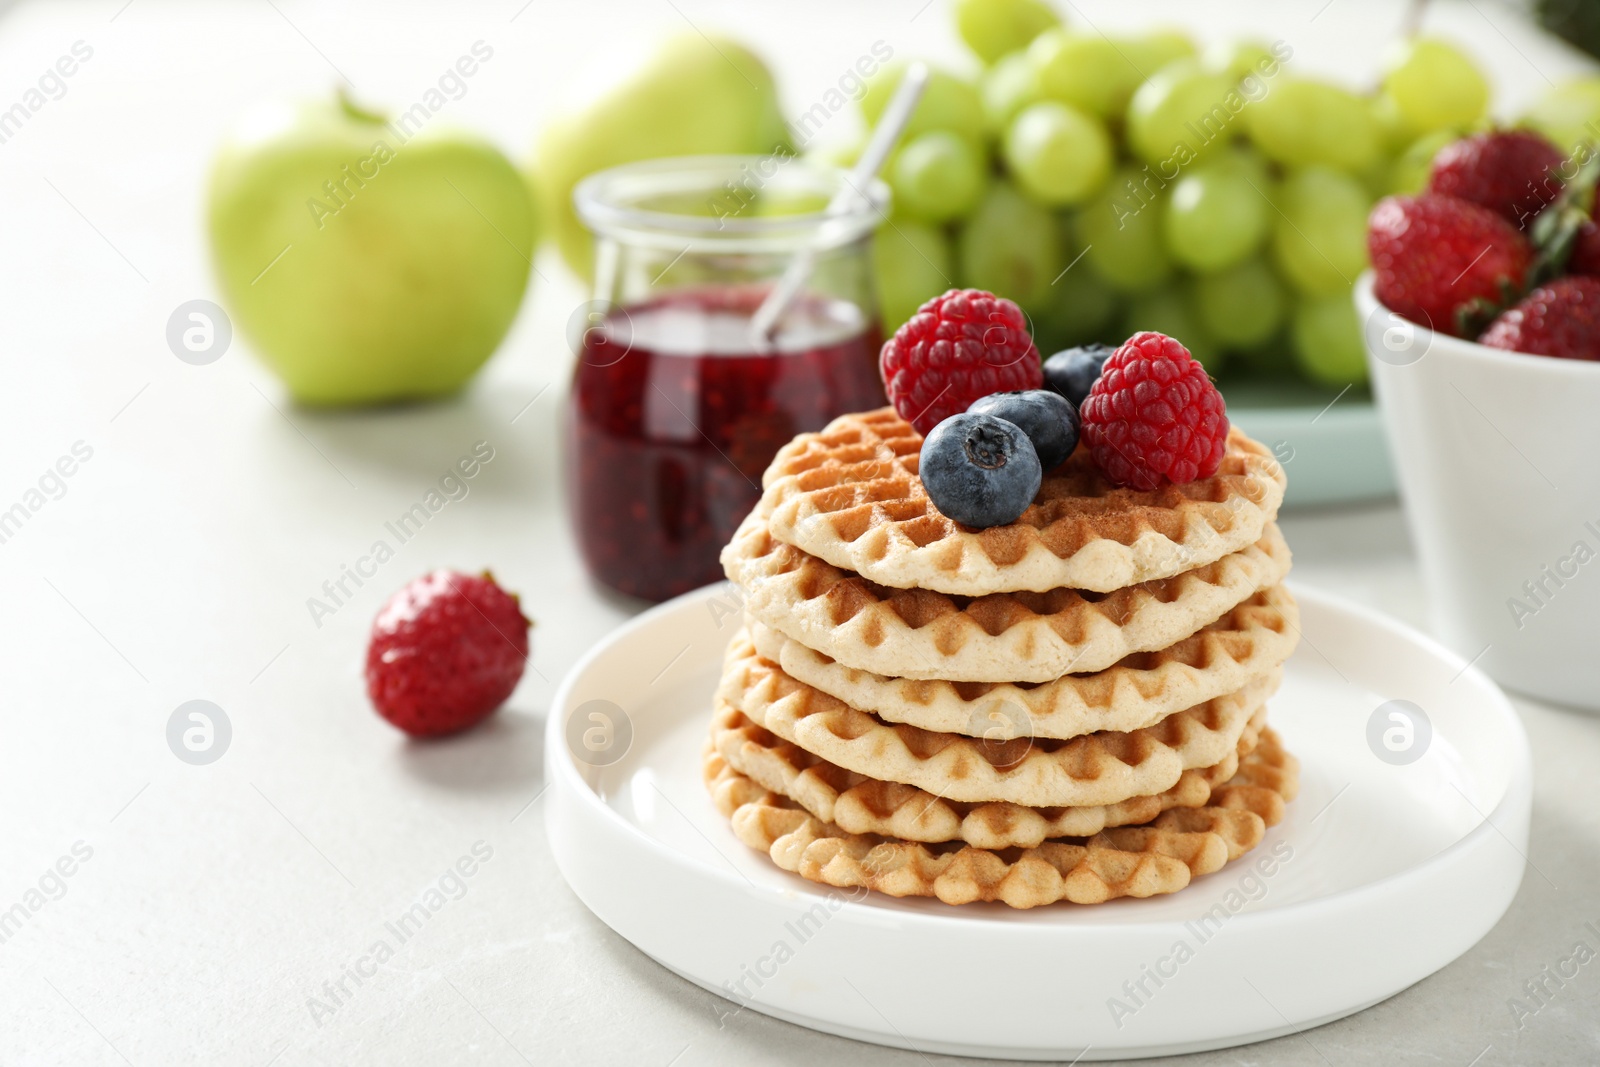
(1071, 707)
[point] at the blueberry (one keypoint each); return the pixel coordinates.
(1049, 419)
(980, 470)
(1072, 373)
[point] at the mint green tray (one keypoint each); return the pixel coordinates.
(1333, 447)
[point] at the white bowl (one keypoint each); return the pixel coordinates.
(1498, 457)
(1392, 862)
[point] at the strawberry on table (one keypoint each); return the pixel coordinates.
(445, 652)
(1440, 260)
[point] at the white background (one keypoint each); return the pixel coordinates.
(178, 564)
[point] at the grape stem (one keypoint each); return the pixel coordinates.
(1412, 25)
(1410, 29)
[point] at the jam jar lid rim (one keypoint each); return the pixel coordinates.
(597, 206)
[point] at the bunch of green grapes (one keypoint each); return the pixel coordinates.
(1111, 184)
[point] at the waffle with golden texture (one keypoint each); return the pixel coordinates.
(1099, 768)
(849, 494)
(1139, 691)
(1003, 637)
(1133, 861)
(859, 804)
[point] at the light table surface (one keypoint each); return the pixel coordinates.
(207, 907)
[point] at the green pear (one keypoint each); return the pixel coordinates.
(367, 261)
(696, 96)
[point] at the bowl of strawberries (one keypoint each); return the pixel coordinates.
(1481, 316)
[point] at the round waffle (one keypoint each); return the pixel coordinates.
(1128, 861)
(1100, 768)
(1003, 637)
(859, 804)
(849, 494)
(1140, 690)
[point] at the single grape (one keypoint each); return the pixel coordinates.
(1080, 309)
(1328, 346)
(1182, 114)
(995, 28)
(1151, 51)
(842, 154)
(1395, 134)
(1058, 155)
(1218, 213)
(1249, 163)
(1010, 246)
(948, 103)
(1170, 310)
(1121, 230)
(1241, 59)
(1434, 85)
(911, 264)
(1241, 307)
(1299, 122)
(1569, 113)
(1408, 175)
(937, 176)
(1084, 70)
(1319, 239)
(1008, 87)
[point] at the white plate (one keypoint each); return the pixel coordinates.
(1382, 873)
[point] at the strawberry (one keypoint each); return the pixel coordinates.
(1559, 319)
(1585, 251)
(1442, 261)
(1513, 173)
(446, 651)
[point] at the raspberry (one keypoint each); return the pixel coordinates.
(445, 651)
(1438, 258)
(1511, 172)
(1154, 416)
(958, 347)
(1559, 319)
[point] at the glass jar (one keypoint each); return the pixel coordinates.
(677, 406)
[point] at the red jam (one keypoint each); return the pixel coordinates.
(674, 416)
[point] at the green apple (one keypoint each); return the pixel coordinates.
(367, 261)
(696, 96)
